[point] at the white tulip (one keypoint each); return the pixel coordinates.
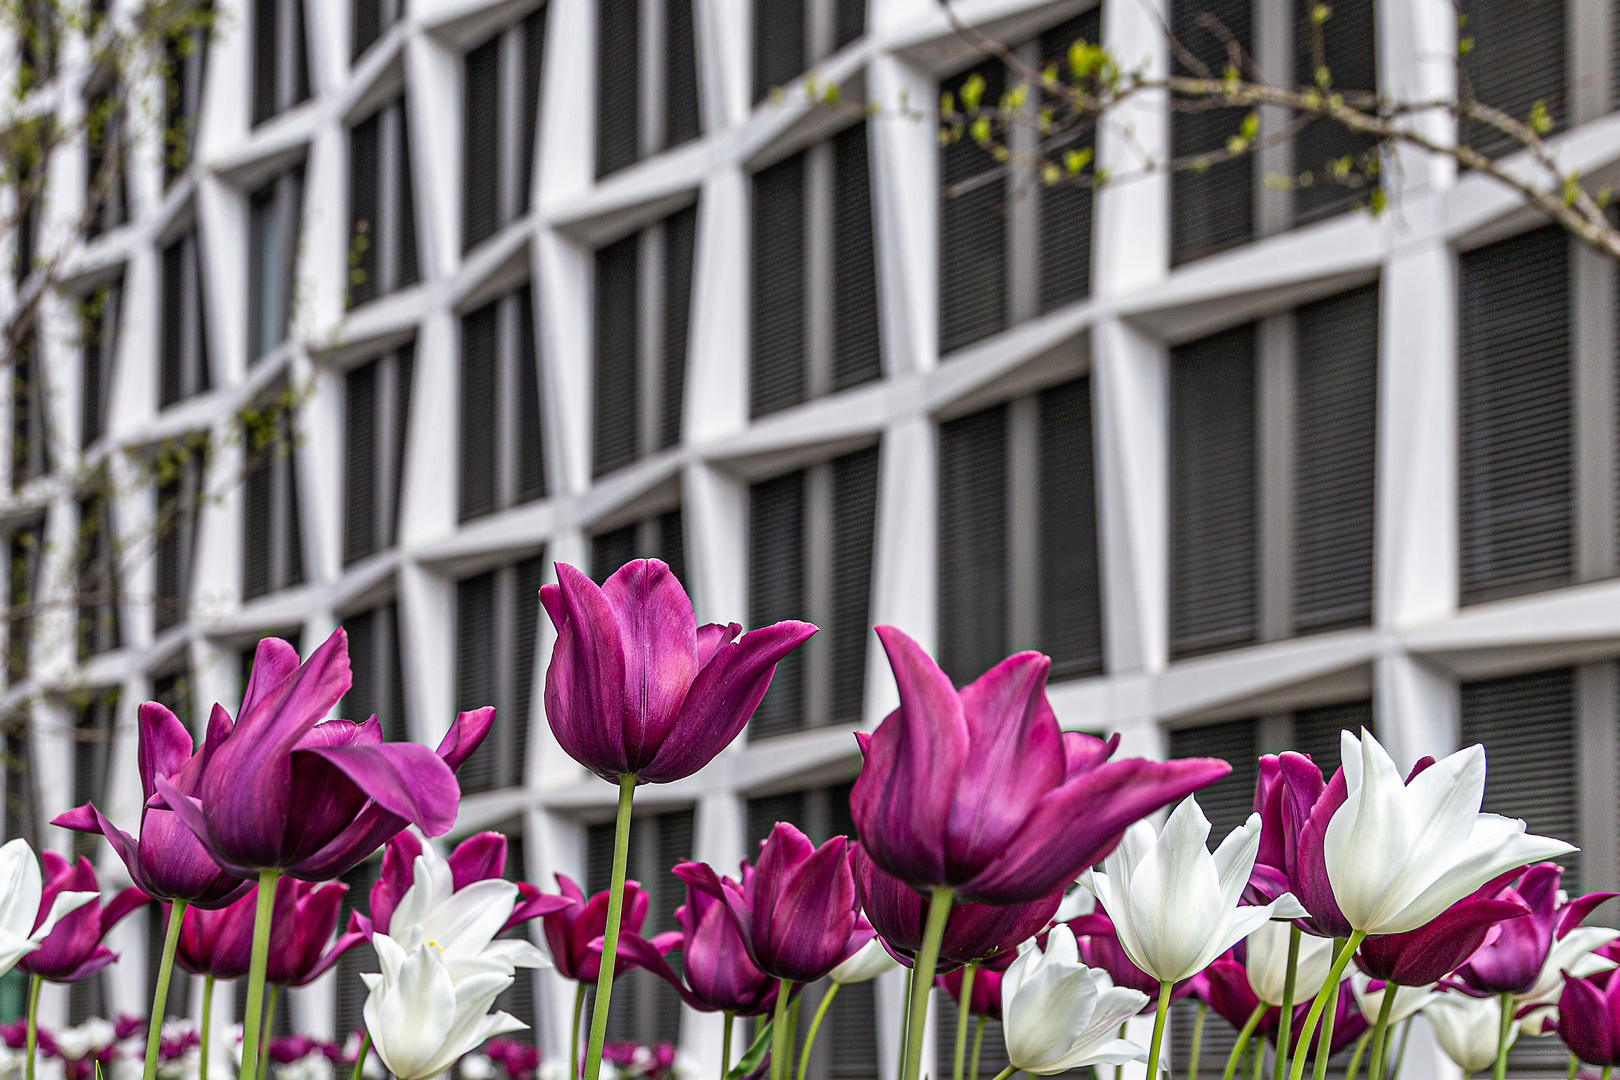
(422, 1019)
(1174, 905)
(1408, 999)
(871, 961)
(1468, 1029)
(459, 923)
(1061, 1015)
(1398, 855)
(1076, 902)
(1268, 964)
(21, 886)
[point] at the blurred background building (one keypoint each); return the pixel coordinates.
(519, 282)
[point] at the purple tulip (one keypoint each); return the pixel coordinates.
(302, 947)
(973, 932)
(797, 914)
(284, 790)
(481, 857)
(217, 943)
(1295, 805)
(1589, 1018)
(1431, 952)
(979, 790)
(574, 932)
(73, 950)
(636, 686)
(986, 999)
(719, 977)
(167, 862)
(1513, 962)
(1224, 987)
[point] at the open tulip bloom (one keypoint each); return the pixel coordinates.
(25, 922)
(1061, 1015)
(1467, 1029)
(477, 859)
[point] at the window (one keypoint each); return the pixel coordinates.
(1211, 209)
(37, 29)
(30, 190)
(106, 194)
(26, 549)
(367, 21)
(1516, 473)
(501, 87)
(274, 221)
(646, 80)
(1294, 480)
(180, 475)
(183, 369)
(377, 415)
(99, 312)
(184, 58)
(497, 626)
(22, 788)
(502, 453)
(643, 311)
(30, 414)
(272, 532)
(645, 1008)
(382, 208)
(1018, 535)
(815, 305)
(660, 536)
(378, 688)
(1350, 54)
(1010, 246)
(97, 577)
(171, 688)
(95, 722)
(280, 64)
(792, 35)
(348, 989)
(810, 557)
(1516, 60)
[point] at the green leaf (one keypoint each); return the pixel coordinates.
(1075, 160)
(1541, 121)
(756, 1053)
(1251, 126)
(1465, 46)
(1320, 14)
(972, 91)
(980, 131)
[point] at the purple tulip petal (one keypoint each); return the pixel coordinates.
(163, 745)
(478, 858)
(638, 949)
(188, 808)
(654, 618)
(123, 903)
(585, 682)
(710, 636)
(1429, 953)
(1584, 1023)
(274, 662)
(406, 779)
(99, 960)
(465, 736)
(1082, 752)
(1311, 886)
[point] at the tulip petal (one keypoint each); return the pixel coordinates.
(478, 857)
(586, 680)
(405, 779)
(465, 736)
(659, 633)
(163, 745)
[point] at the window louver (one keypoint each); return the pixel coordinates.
(479, 411)
(992, 1052)
(99, 319)
(349, 994)
(22, 788)
(477, 669)
(1316, 731)
(365, 27)
(25, 557)
(180, 498)
(618, 85)
(972, 229)
(274, 221)
(534, 52)
(360, 464)
(1515, 483)
(406, 270)
(1212, 209)
(852, 1044)
(1518, 60)
(266, 17)
(1213, 531)
(257, 496)
(776, 591)
(531, 463)
(527, 577)
(173, 692)
(481, 127)
(850, 22)
(672, 542)
(378, 687)
(99, 623)
(779, 44)
(973, 583)
(1350, 53)
(680, 251)
(857, 348)
(1335, 443)
(1214, 1047)
(1228, 802)
(404, 374)
(618, 395)
(178, 1002)
(364, 226)
(777, 375)
(854, 528)
(673, 847)
(682, 119)
(1071, 601)
(611, 550)
(93, 726)
(765, 811)
(1065, 225)
(183, 363)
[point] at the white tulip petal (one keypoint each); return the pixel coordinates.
(870, 961)
(21, 886)
(64, 904)
(1468, 1029)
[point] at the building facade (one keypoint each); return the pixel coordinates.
(397, 305)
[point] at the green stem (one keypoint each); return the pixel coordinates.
(905, 1013)
(779, 1042)
(1574, 1066)
(1400, 1055)
(1259, 1060)
(1297, 1069)
(1355, 1059)
(978, 1044)
(1499, 1070)
(1244, 1034)
(269, 1022)
(1197, 1042)
(725, 1041)
(1606, 1070)
(360, 1058)
(207, 1024)
(32, 1039)
(1324, 1044)
(1381, 1032)
(610, 938)
(1158, 1028)
(815, 1025)
(573, 1034)
(160, 997)
(792, 1037)
(1005, 1073)
(963, 1004)
(939, 907)
(264, 911)
(1286, 1020)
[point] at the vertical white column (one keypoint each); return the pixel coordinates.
(1417, 49)
(905, 574)
(905, 212)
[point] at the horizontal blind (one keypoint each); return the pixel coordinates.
(1211, 209)
(617, 386)
(171, 336)
(404, 375)
(1316, 731)
(477, 667)
(407, 269)
(527, 577)
(672, 543)
(972, 227)
(365, 27)
(1228, 802)
(973, 582)
(763, 814)
(854, 528)
(1213, 1049)
(776, 591)
(682, 117)
(360, 433)
(618, 85)
(349, 993)
(1517, 59)
(531, 447)
(852, 1037)
(857, 348)
(850, 22)
(777, 376)
(1065, 218)
(480, 148)
(480, 411)
(1071, 593)
(680, 251)
(1350, 54)
(611, 550)
(779, 44)
(364, 228)
(534, 53)
(668, 892)
(992, 1052)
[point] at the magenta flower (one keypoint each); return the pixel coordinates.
(481, 857)
(73, 949)
(286, 1049)
(718, 976)
(986, 999)
(1224, 987)
(1513, 962)
(797, 914)
(284, 790)
(302, 946)
(1589, 1018)
(636, 686)
(1295, 805)
(220, 942)
(1431, 952)
(574, 932)
(168, 862)
(979, 790)
(973, 932)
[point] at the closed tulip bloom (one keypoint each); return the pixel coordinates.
(871, 961)
(26, 919)
(481, 857)
(1266, 962)
(168, 862)
(1468, 1029)
(1432, 951)
(635, 686)
(1580, 953)
(1295, 805)
(972, 931)
(1589, 1018)
(219, 942)
(458, 922)
(281, 789)
(1400, 853)
(1409, 1000)
(302, 947)
(424, 1012)
(1516, 961)
(571, 931)
(1175, 905)
(73, 949)
(1060, 1014)
(980, 791)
